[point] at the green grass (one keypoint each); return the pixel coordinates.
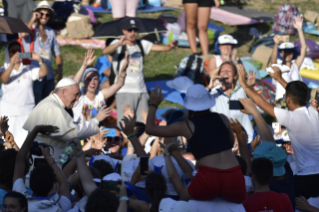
(160, 66)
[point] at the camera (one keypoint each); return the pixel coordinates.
(36, 150)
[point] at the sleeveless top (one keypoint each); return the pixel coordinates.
(218, 60)
(211, 135)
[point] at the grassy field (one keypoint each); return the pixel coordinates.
(160, 66)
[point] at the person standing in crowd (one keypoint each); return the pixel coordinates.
(91, 96)
(263, 199)
(302, 123)
(210, 140)
(17, 86)
(197, 17)
(21, 9)
(42, 40)
(288, 54)
(52, 110)
(134, 91)
(124, 8)
(231, 91)
(226, 48)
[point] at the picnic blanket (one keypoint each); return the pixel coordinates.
(148, 9)
(170, 95)
(229, 18)
(249, 13)
(85, 43)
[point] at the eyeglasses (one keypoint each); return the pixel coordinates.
(45, 14)
(132, 30)
(115, 139)
(9, 207)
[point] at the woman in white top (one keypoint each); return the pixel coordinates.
(17, 86)
(225, 47)
(91, 96)
(229, 90)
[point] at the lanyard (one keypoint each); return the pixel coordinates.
(234, 91)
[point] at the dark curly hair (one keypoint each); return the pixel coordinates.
(102, 200)
(21, 198)
(103, 167)
(7, 163)
(42, 180)
(156, 188)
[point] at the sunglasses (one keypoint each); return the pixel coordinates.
(132, 30)
(115, 139)
(45, 14)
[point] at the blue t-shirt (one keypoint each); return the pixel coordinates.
(101, 64)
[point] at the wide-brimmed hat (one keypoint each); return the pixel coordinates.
(180, 84)
(198, 98)
(44, 5)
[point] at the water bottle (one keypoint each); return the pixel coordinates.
(67, 152)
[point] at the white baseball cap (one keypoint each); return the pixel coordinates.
(286, 45)
(198, 98)
(285, 136)
(170, 205)
(180, 84)
(226, 39)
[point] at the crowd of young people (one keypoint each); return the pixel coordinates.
(185, 162)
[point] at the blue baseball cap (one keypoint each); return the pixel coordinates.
(90, 69)
(274, 153)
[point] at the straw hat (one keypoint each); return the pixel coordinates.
(44, 5)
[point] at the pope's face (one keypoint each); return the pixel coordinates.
(71, 96)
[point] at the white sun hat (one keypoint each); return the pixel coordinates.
(226, 39)
(286, 45)
(198, 98)
(170, 205)
(44, 5)
(180, 84)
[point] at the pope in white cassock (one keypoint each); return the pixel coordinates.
(51, 111)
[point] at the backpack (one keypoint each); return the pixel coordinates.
(192, 66)
(284, 19)
(79, 26)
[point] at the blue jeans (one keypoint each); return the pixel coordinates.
(42, 89)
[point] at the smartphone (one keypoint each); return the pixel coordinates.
(25, 55)
(317, 97)
(110, 185)
(284, 38)
(111, 133)
(38, 161)
(144, 165)
(222, 79)
(276, 127)
(235, 105)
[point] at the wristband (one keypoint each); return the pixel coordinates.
(129, 136)
(154, 105)
(124, 198)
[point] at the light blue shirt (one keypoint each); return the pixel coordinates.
(45, 50)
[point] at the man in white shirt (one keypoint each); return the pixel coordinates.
(134, 91)
(302, 124)
(52, 111)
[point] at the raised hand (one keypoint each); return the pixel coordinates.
(86, 113)
(277, 73)
(251, 78)
(235, 126)
(9, 137)
(171, 147)
(36, 16)
(46, 129)
(125, 65)
(15, 59)
(35, 56)
(156, 96)
(123, 41)
(242, 75)
(4, 124)
(213, 82)
(127, 125)
(297, 23)
(127, 111)
(103, 113)
(89, 58)
(250, 107)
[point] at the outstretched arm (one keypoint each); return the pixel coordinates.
(161, 48)
(303, 45)
(88, 60)
(263, 104)
(274, 53)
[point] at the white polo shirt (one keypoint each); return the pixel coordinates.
(303, 128)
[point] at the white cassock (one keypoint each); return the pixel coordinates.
(51, 111)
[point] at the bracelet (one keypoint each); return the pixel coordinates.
(81, 153)
(154, 105)
(53, 163)
(129, 136)
(124, 198)
(130, 145)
